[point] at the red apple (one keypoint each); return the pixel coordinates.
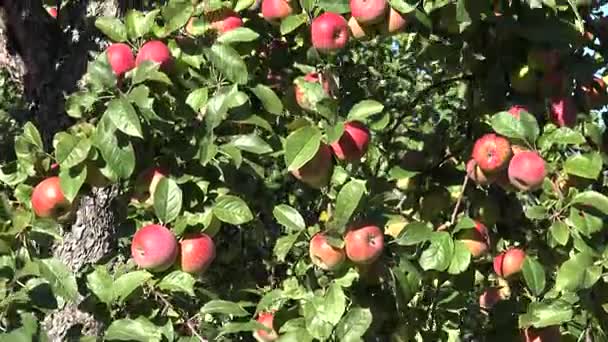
(358, 31)
(548, 334)
(543, 60)
(53, 11)
(353, 143)
(154, 248)
(324, 255)
(368, 12)
(364, 244)
(48, 200)
(147, 181)
(196, 253)
(224, 20)
(155, 51)
(492, 153)
(489, 298)
(509, 262)
(476, 239)
(477, 175)
(563, 111)
(275, 10)
(266, 318)
(515, 110)
(301, 98)
(527, 171)
(121, 58)
(502, 180)
(394, 22)
(329, 32)
(515, 149)
(317, 172)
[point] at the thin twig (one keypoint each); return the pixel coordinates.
(188, 324)
(457, 206)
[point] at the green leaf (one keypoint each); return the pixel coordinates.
(284, 245)
(176, 14)
(354, 324)
(232, 210)
(534, 274)
(414, 233)
(334, 133)
(584, 165)
(197, 99)
(139, 24)
(461, 259)
(559, 231)
(178, 281)
(525, 128)
(127, 283)
(123, 116)
(292, 22)
(347, 202)
(100, 74)
(336, 6)
(316, 324)
(561, 136)
(100, 283)
(243, 4)
(235, 327)
(167, 200)
(364, 109)
(112, 27)
(140, 329)
(228, 61)
(239, 34)
(301, 146)
(148, 71)
(252, 143)
(439, 254)
(289, 217)
(224, 307)
(269, 99)
(70, 150)
(536, 212)
(60, 278)
(592, 199)
(543, 314)
(79, 103)
(119, 155)
(404, 6)
(31, 135)
(334, 304)
(575, 274)
(71, 180)
(585, 222)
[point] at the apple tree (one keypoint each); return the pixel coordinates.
(313, 170)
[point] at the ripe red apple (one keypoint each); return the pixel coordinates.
(477, 175)
(353, 143)
(312, 77)
(359, 31)
(329, 32)
(317, 172)
(364, 244)
(394, 22)
(121, 58)
(548, 334)
(155, 51)
(154, 248)
(509, 262)
(527, 171)
(523, 80)
(53, 11)
(276, 10)
(146, 183)
(48, 200)
(492, 153)
(368, 12)
(224, 20)
(476, 239)
(515, 110)
(543, 60)
(266, 318)
(324, 255)
(489, 298)
(197, 252)
(563, 111)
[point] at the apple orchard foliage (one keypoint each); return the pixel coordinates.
(265, 137)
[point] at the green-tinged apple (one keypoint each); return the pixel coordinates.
(364, 244)
(324, 255)
(359, 31)
(154, 248)
(368, 12)
(121, 58)
(395, 22)
(266, 318)
(477, 175)
(304, 100)
(317, 172)
(527, 171)
(353, 143)
(476, 239)
(146, 183)
(197, 252)
(329, 32)
(524, 80)
(275, 10)
(515, 149)
(155, 51)
(547, 334)
(492, 153)
(48, 200)
(509, 262)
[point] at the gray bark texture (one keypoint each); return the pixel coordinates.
(49, 56)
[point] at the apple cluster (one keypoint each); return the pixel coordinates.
(121, 58)
(372, 17)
